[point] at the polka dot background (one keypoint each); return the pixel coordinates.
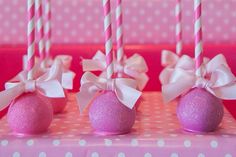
(156, 133)
(152, 21)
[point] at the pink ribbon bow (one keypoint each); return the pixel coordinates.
(47, 85)
(217, 79)
(134, 67)
(124, 88)
(67, 75)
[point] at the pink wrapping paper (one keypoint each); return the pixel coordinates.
(156, 133)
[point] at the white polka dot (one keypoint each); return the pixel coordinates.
(147, 155)
(16, 154)
(187, 143)
(30, 142)
(42, 154)
(108, 142)
(95, 154)
(201, 155)
(121, 154)
(228, 155)
(134, 142)
(161, 143)
(4, 142)
(68, 154)
(56, 142)
(214, 144)
(82, 142)
(174, 155)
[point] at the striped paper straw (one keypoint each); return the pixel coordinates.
(119, 31)
(108, 37)
(31, 38)
(198, 36)
(178, 14)
(48, 29)
(40, 29)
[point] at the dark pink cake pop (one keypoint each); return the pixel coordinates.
(200, 111)
(30, 114)
(109, 116)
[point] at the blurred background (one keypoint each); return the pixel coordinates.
(145, 21)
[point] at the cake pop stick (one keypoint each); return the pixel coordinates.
(48, 29)
(31, 38)
(198, 36)
(119, 31)
(178, 27)
(108, 38)
(40, 30)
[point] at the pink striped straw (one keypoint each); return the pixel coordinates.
(198, 36)
(119, 31)
(40, 29)
(108, 38)
(31, 38)
(178, 29)
(48, 29)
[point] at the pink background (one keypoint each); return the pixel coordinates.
(146, 21)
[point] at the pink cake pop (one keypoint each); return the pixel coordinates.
(109, 116)
(200, 111)
(59, 104)
(30, 114)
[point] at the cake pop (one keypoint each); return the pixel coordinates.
(200, 111)
(29, 114)
(109, 116)
(111, 112)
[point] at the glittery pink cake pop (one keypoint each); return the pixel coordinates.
(200, 111)
(59, 104)
(30, 114)
(108, 116)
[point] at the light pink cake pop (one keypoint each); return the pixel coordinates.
(200, 111)
(59, 104)
(30, 114)
(109, 116)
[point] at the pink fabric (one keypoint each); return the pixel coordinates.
(145, 21)
(156, 132)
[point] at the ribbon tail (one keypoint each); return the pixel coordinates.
(51, 89)
(173, 90)
(225, 92)
(127, 95)
(142, 81)
(10, 94)
(67, 80)
(55, 72)
(165, 75)
(86, 95)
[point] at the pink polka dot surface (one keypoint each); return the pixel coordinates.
(156, 132)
